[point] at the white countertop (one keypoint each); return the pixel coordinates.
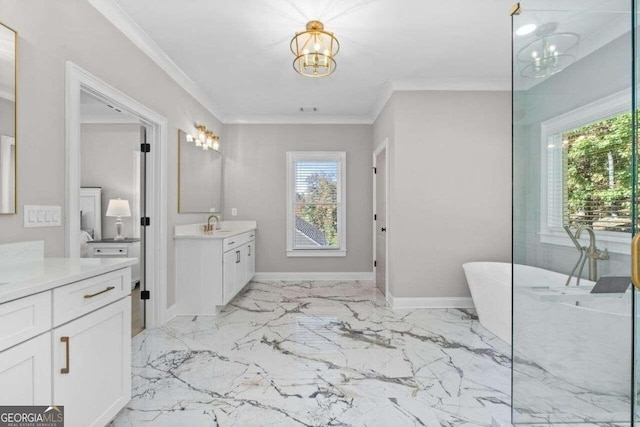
(23, 277)
(227, 229)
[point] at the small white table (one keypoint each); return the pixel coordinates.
(127, 248)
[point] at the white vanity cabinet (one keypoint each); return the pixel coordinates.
(238, 264)
(68, 343)
(25, 372)
(211, 269)
(92, 365)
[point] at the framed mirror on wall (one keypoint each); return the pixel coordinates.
(8, 122)
(199, 178)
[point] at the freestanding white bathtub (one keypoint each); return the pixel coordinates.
(490, 286)
(577, 336)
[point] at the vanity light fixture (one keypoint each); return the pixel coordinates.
(314, 51)
(205, 139)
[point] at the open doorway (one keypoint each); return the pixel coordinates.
(380, 216)
(112, 191)
(152, 134)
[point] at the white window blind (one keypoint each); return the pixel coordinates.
(586, 173)
(315, 208)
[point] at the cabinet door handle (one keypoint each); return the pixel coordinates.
(65, 340)
(109, 288)
(249, 250)
(237, 257)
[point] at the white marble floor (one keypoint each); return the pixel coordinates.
(318, 354)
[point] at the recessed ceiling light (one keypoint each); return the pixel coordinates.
(526, 29)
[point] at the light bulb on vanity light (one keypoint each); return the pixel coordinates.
(216, 143)
(201, 133)
(209, 139)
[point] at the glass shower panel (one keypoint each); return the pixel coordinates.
(572, 212)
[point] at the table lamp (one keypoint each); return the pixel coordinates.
(118, 208)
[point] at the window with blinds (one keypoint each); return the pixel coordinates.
(315, 211)
(590, 176)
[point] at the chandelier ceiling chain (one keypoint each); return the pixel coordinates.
(314, 51)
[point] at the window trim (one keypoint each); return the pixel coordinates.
(339, 156)
(605, 108)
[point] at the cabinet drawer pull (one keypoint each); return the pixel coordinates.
(65, 340)
(253, 235)
(231, 243)
(101, 292)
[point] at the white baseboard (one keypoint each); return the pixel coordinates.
(368, 276)
(429, 302)
(170, 313)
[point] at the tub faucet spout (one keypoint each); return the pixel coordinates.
(592, 252)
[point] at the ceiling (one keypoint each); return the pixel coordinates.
(94, 110)
(234, 56)
(237, 52)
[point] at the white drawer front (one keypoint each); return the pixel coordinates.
(236, 241)
(110, 252)
(24, 318)
(78, 298)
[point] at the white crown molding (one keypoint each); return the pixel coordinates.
(429, 302)
(301, 119)
(381, 101)
(122, 21)
(285, 277)
(435, 84)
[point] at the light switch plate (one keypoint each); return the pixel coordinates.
(234, 211)
(42, 216)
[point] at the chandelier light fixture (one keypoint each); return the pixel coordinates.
(549, 53)
(204, 138)
(315, 50)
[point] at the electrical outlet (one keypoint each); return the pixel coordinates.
(234, 212)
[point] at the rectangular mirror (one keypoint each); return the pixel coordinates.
(199, 178)
(8, 51)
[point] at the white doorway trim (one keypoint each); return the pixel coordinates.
(384, 146)
(78, 80)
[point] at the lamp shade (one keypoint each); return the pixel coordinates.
(118, 207)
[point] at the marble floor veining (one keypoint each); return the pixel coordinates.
(318, 354)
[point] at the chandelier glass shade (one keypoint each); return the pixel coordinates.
(548, 54)
(315, 50)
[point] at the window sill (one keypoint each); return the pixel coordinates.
(617, 243)
(317, 253)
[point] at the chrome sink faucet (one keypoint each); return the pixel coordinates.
(209, 227)
(591, 252)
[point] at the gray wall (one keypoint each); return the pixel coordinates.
(107, 162)
(50, 33)
(450, 187)
(602, 73)
(255, 183)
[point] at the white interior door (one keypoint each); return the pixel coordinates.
(381, 220)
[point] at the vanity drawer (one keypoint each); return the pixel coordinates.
(236, 241)
(118, 251)
(79, 298)
(24, 318)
